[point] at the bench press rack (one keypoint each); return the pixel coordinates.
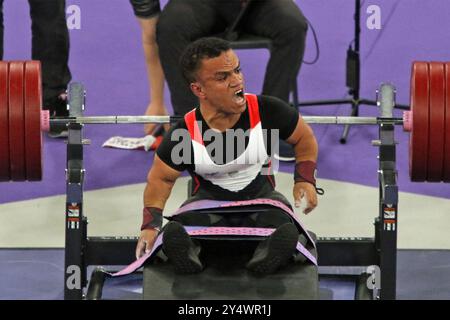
(376, 255)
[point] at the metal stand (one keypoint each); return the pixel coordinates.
(81, 251)
(377, 255)
(353, 79)
(76, 223)
(387, 177)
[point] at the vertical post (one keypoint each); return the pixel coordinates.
(75, 226)
(388, 202)
(356, 50)
(353, 66)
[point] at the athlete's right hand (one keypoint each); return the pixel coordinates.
(146, 242)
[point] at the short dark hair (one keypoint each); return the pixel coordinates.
(198, 50)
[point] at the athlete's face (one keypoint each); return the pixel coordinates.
(220, 83)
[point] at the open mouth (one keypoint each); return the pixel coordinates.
(239, 96)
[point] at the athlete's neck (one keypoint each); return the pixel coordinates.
(218, 120)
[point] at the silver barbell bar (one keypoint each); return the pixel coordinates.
(169, 119)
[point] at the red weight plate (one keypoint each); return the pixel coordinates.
(4, 127)
(418, 141)
(447, 125)
(33, 137)
(16, 122)
(435, 162)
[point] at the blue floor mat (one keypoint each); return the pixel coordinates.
(38, 274)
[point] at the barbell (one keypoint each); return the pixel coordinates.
(22, 121)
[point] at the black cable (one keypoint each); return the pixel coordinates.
(316, 42)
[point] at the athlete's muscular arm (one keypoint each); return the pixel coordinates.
(160, 181)
(306, 150)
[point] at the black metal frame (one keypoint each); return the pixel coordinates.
(81, 251)
(353, 78)
(381, 250)
(76, 223)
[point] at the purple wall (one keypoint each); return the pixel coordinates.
(106, 56)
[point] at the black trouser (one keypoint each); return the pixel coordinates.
(50, 45)
(256, 216)
(182, 22)
(272, 218)
(250, 217)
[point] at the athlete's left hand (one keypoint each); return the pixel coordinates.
(304, 191)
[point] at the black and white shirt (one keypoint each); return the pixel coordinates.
(230, 163)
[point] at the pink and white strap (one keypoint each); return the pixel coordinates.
(210, 231)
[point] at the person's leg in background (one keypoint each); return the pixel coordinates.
(288, 37)
(147, 13)
(50, 45)
(180, 23)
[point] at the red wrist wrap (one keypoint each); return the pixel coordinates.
(151, 218)
(305, 171)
